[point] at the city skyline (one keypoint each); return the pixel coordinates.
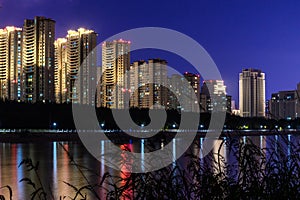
(43, 63)
(237, 35)
(28, 27)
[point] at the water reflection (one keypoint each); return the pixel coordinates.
(20, 173)
(219, 156)
(63, 163)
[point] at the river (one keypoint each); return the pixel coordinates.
(55, 169)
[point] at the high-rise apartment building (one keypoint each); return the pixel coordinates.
(61, 84)
(175, 83)
(252, 93)
(214, 91)
(38, 59)
(285, 104)
(98, 86)
(190, 97)
(4, 64)
(80, 55)
(194, 81)
(147, 82)
(10, 63)
(115, 63)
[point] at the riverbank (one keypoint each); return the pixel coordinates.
(118, 137)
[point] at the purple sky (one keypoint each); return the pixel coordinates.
(237, 34)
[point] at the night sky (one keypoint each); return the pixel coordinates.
(237, 34)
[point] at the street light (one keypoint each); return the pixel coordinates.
(54, 125)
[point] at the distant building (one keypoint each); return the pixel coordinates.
(115, 63)
(233, 105)
(98, 87)
(236, 112)
(194, 81)
(234, 109)
(189, 96)
(298, 97)
(38, 59)
(203, 103)
(214, 92)
(229, 103)
(252, 93)
(284, 105)
(10, 63)
(144, 83)
(175, 83)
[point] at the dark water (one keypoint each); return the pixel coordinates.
(55, 167)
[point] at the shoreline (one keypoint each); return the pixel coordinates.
(27, 137)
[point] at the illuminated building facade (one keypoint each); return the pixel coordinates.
(38, 59)
(214, 93)
(79, 46)
(115, 62)
(252, 101)
(194, 81)
(60, 71)
(10, 63)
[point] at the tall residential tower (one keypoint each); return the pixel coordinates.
(115, 62)
(60, 71)
(38, 59)
(80, 55)
(10, 63)
(252, 93)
